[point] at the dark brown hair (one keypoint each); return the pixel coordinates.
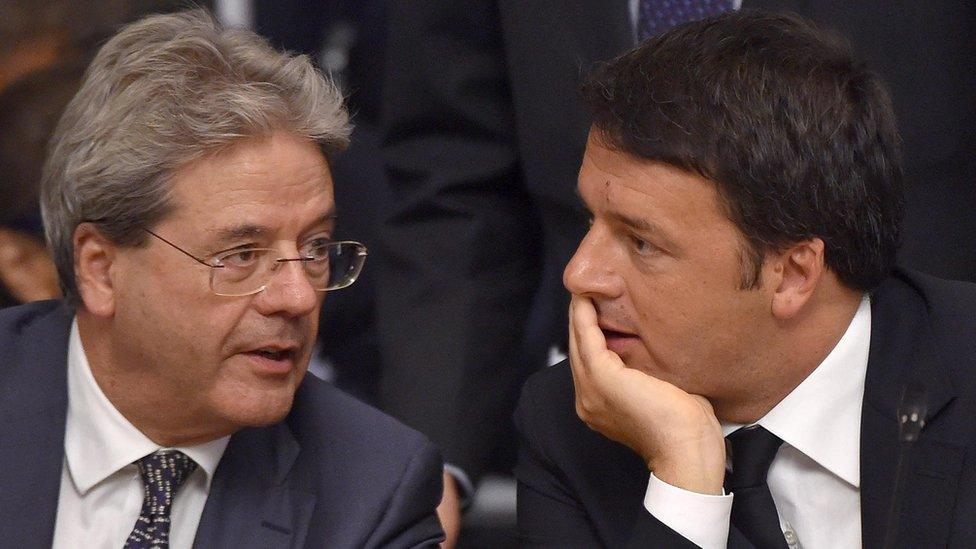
(797, 135)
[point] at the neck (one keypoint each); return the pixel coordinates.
(800, 346)
(157, 412)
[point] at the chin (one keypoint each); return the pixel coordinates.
(259, 408)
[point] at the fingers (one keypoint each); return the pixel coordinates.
(574, 358)
(575, 362)
(591, 343)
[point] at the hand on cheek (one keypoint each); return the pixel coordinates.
(676, 433)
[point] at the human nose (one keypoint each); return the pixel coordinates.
(591, 270)
(289, 291)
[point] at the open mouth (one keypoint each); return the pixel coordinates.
(619, 342)
(274, 354)
(273, 360)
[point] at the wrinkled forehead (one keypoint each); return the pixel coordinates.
(258, 187)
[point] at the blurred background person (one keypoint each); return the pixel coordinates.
(29, 110)
(45, 46)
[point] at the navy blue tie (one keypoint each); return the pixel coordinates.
(657, 16)
(163, 473)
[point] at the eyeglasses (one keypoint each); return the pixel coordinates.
(329, 265)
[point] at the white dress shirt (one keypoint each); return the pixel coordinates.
(815, 478)
(101, 489)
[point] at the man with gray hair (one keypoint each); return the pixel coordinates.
(188, 201)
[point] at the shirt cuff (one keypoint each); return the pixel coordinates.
(700, 518)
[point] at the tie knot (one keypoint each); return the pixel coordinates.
(753, 449)
(163, 473)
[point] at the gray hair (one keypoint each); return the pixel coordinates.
(164, 92)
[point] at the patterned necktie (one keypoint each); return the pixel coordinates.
(162, 475)
(753, 510)
(657, 16)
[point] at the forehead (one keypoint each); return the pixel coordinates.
(616, 183)
(276, 182)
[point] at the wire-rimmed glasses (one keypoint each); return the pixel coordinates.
(329, 265)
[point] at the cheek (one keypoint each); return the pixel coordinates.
(186, 330)
(683, 320)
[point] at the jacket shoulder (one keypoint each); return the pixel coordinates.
(324, 413)
(33, 342)
(947, 308)
(387, 475)
(15, 320)
(336, 431)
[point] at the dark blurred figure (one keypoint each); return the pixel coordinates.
(29, 111)
(484, 135)
(35, 34)
(44, 48)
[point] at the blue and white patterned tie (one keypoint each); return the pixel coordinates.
(657, 16)
(163, 473)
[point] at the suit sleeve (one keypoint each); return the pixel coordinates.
(549, 512)
(457, 264)
(411, 516)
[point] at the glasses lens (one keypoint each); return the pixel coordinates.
(329, 266)
(242, 272)
(336, 266)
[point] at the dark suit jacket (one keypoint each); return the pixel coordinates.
(579, 489)
(485, 130)
(334, 473)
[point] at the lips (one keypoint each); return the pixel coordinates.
(618, 340)
(274, 354)
(273, 359)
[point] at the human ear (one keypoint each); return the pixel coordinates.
(94, 256)
(799, 269)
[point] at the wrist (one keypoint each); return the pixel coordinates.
(698, 477)
(698, 467)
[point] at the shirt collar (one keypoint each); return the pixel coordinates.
(821, 417)
(99, 440)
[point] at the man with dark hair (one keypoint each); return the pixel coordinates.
(744, 184)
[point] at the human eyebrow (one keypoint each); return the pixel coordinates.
(249, 231)
(330, 217)
(645, 226)
(228, 235)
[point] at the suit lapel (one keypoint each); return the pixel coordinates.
(253, 501)
(903, 352)
(33, 412)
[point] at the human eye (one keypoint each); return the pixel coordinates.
(317, 248)
(641, 246)
(243, 258)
